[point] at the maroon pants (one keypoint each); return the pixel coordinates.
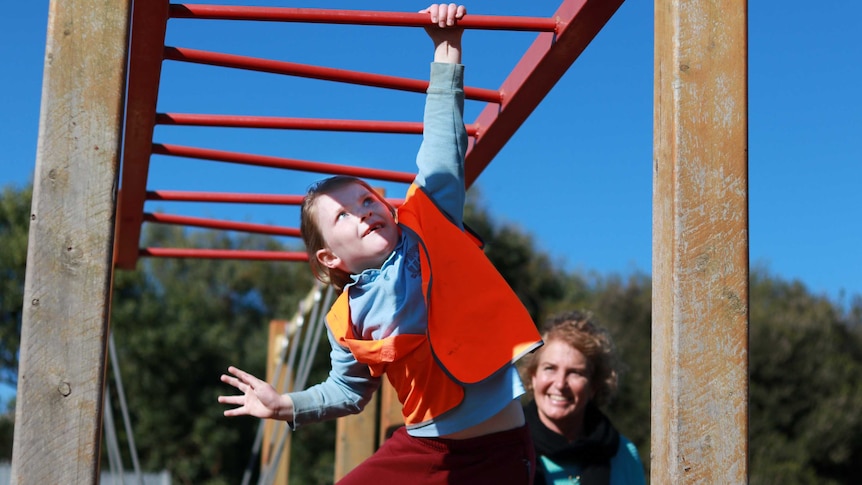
(505, 457)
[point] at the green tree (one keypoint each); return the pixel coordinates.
(624, 306)
(534, 277)
(7, 432)
(806, 395)
(14, 225)
(178, 324)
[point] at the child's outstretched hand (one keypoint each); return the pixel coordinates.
(259, 398)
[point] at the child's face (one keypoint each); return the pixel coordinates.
(357, 227)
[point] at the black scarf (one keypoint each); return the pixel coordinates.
(593, 451)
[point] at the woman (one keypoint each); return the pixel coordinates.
(570, 377)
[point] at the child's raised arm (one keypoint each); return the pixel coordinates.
(444, 142)
(445, 34)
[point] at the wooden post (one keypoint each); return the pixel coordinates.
(272, 429)
(67, 289)
(390, 412)
(700, 243)
(356, 438)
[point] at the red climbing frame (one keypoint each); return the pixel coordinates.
(560, 40)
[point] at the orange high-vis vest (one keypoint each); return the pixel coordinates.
(476, 323)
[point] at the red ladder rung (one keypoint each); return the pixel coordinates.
(219, 59)
(355, 17)
(280, 162)
(223, 254)
(206, 223)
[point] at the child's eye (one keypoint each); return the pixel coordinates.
(368, 201)
(342, 214)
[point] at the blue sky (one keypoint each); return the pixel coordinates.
(577, 174)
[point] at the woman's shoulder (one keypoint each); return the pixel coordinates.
(628, 449)
(626, 466)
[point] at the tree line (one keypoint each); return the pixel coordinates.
(178, 324)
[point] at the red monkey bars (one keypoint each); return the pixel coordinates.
(560, 40)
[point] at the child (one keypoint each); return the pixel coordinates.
(419, 302)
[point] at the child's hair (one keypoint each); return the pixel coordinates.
(310, 231)
(577, 329)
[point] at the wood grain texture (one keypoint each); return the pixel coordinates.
(68, 279)
(700, 243)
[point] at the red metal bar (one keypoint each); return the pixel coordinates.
(355, 17)
(278, 162)
(562, 39)
(220, 224)
(232, 121)
(223, 254)
(182, 196)
(275, 199)
(544, 63)
(149, 20)
(195, 56)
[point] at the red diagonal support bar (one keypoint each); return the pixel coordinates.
(223, 254)
(149, 21)
(279, 162)
(536, 73)
(355, 17)
(315, 72)
(221, 224)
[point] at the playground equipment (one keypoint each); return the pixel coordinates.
(95, 113)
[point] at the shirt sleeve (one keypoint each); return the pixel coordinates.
(347, 390)
(444, 143)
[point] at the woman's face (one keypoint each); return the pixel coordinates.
(562, 388)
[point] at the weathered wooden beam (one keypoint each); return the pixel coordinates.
(275, 369)
(390, 412)
(356, 438)
(67, 289)
(700, 243)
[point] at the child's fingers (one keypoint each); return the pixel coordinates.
(445, 14)
(438, 13)
(231, 381)
(461, 12)
(238, 372)
(237, 400)
(451, 11)
(240, 411)
(244, 377)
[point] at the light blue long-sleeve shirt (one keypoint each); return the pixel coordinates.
(389, 301)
